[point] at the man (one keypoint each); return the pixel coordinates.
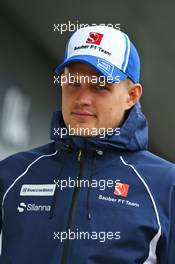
(95, 194)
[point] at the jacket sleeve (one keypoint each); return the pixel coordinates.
(0, 200)
(1, 195)
(171, 238)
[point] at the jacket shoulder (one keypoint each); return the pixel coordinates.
(149, 158)
(153, 167)
(14, 165)
(29, 154)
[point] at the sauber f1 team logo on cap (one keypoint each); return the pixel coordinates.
(121, 189)
(94, 38)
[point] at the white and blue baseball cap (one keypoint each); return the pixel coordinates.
(109, 51)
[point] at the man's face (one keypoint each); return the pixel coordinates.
(86, 104)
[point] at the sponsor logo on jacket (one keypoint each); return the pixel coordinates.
(121, 189)
(33, 208)
(37, 189)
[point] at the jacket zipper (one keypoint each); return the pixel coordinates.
(73, 207)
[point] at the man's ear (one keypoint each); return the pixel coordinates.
(134, 94)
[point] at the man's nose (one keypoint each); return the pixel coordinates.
(84, 96)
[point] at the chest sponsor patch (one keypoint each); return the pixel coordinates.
(121, 189)
(37, 189)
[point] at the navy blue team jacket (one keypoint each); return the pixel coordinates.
(124, 214)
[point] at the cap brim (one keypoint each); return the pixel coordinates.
(103, 67)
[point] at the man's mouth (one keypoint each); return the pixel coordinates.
(82, 113)
(83, 116)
